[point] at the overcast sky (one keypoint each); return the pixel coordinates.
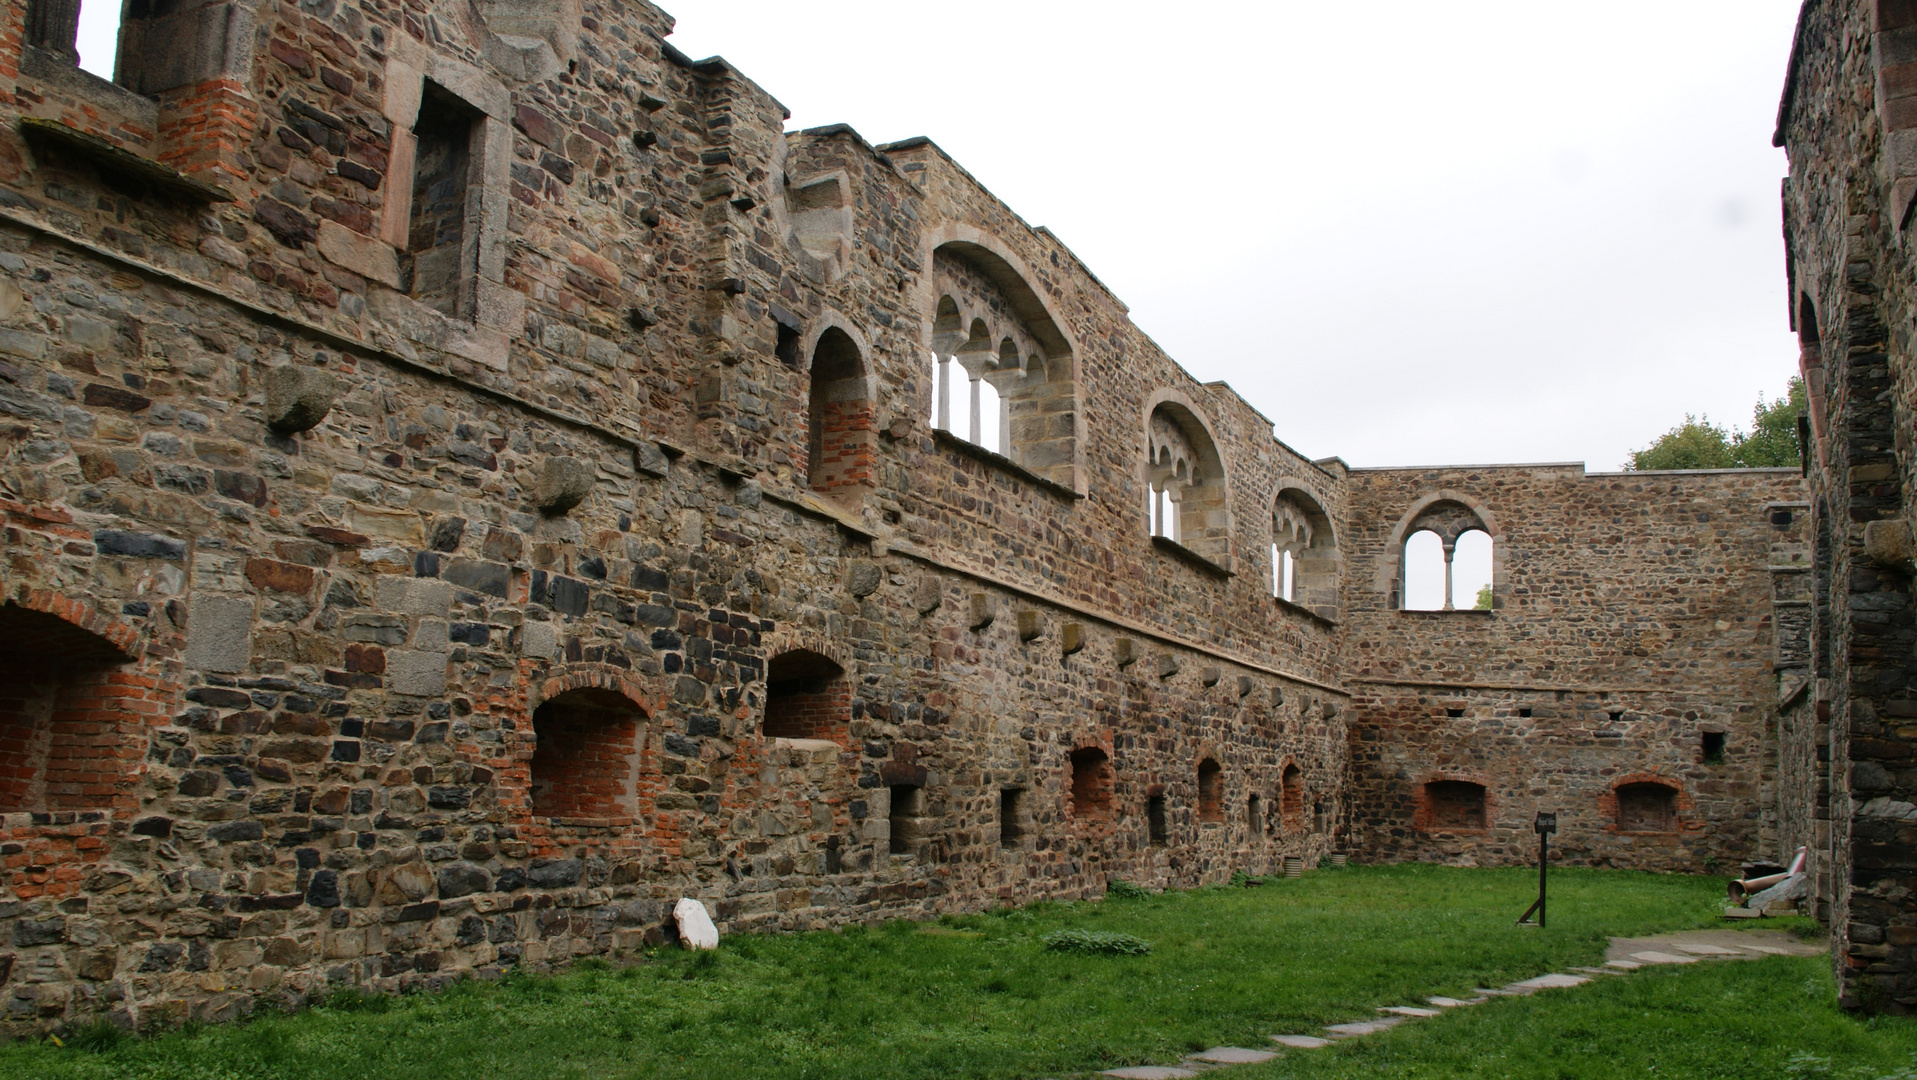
(1410, 233)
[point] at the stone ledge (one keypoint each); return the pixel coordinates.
(1173, 547)
(1002, 463)
(126, 163)
(1294, 606)
(1483, 612)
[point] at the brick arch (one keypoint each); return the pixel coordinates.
(1683, 811)
(1091, 781)
(598, 677)
(123, 636)
(1425, 811)
(589, 752)
(76, 706)
(1291, 796)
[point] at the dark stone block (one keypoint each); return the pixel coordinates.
(108, 396)
(462, 879)
(138, 545)
(199, 782)
(418, 912)
(153, 826)
(555, 873)
(163, 956)
(323, 890)
(228, 832)
(219, 697)
(493, 579)
(31, 932)
(449, 798)
(568, 596)
(702, 725)
(470, 633)
(345, 751)
(510, 879)
(682, 746)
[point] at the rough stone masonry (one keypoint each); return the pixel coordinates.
(472, 478)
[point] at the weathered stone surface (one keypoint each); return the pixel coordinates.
(298, 397)
(1301, 1042)
(1233, 1055)
(220, 633)
(563, 483)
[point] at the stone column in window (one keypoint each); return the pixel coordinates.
(1450, 548)
(977, 432)
(942, 391)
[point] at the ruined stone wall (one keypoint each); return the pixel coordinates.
(1846, 123)
(1632, 613)
(455, 658)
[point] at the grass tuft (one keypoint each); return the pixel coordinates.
(1126, 890)
(1104, 942)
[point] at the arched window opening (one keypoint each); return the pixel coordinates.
(1471, 571)
(1291, 799)
(1186, 480)
(1424, 567)
(1431, 575)
(1304, 553)
(1255, 817)
(841, 447)
(1211, 793)
(1091, 785)
(807, 697)
(1454, 804)
(586, 755)
(1646, 807)
(1006, 372)
(68, 740)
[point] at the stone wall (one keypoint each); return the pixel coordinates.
(412, 634)
(1632, 614)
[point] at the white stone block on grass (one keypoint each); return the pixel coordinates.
(1150, 1072)
(695, 925)
(1300, 1042)
(1233, 1055)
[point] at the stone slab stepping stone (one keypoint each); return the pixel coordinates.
(1700, 949)
(1551, 982)
(1483, 992)
(1594, 971)
(1623, 965)
(1654, 957)
(1451, 1002)
(1301, 1042)
(1233, 1055)
(1768, 950)
(1408, 1010)
(1150, 1072)
(1362, 1027)
(1742, 913)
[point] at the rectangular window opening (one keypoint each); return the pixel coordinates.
(907, 826)
(1155, 820)
(1009, 832)
(441, 263)
(1713, 748)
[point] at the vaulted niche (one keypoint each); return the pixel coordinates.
(71, 733)
(806, 697)
(841, 446)
(1001, 372)
(1187, 502)
(1304, 553)
(586, 755)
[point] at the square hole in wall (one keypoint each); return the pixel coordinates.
(1713, 748)
(1526, 713)
(1009, 832)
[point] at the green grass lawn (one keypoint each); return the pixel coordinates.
(979, 996)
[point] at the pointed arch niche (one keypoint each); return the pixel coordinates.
(1003, 375)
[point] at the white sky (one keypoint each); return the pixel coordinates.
(1410, 233)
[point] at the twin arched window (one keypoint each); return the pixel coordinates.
(1448, 560)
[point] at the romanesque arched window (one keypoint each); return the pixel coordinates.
(1000, 371)
(1447, 561)
(1304, 553)
(841, 441)
(1185, 479)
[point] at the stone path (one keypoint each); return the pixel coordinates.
(1624, 955)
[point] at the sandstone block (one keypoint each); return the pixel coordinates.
(298, 397)
(219, 633)
(563, 483)
(372, 259)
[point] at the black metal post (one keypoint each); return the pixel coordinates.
(1545, 825)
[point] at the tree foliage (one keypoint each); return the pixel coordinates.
(1699, 444)
(1484, 598)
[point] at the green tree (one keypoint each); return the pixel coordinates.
(1699, 444)
(1484, 598)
